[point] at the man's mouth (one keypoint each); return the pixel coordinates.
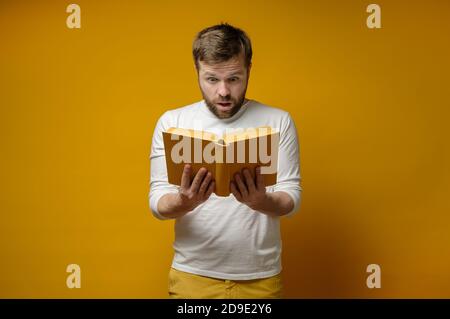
(225, 104)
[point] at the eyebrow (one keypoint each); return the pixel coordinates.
(232, 74)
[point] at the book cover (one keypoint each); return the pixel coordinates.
(223, 155)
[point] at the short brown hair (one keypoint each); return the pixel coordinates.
(220, 43)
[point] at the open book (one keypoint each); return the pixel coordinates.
(223, 156)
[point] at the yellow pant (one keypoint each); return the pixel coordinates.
(185, 285)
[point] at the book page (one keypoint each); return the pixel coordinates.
(204, 135)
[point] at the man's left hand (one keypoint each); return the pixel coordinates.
(246, 190)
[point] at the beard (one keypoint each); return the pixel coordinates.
(237, 104)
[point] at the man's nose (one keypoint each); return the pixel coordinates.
(223, 89)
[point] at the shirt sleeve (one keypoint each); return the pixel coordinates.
(288, 175)
(159, 185)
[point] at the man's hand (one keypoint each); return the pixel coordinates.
(175, 205)
(192, 195)
(246, 190)
(254, 194)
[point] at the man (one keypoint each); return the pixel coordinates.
(226, 247)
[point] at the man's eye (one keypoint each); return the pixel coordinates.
(212, 79)
(234, 79)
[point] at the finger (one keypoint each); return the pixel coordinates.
(249, 181)
(259, 179)
(211, 189)
(240, 185)
(235, 192)
(186, 177)
(198, 179)
(205, 184)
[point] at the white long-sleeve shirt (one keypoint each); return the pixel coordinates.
(223, 238)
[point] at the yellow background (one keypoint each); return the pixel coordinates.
(78, 109)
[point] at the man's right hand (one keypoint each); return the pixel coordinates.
(193, 194)
(190, 195)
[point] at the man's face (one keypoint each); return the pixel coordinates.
(223, 85)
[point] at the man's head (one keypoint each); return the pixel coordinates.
(223, 58)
